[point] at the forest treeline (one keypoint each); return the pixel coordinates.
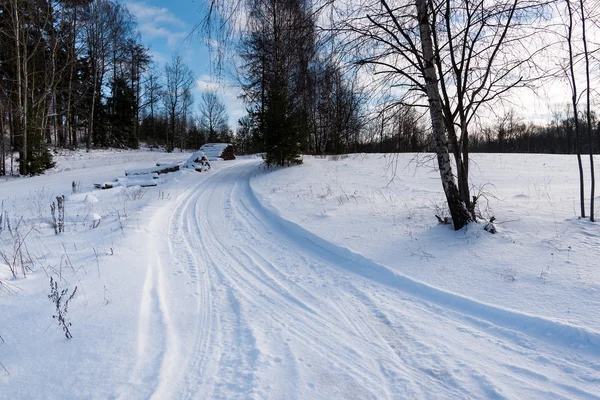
(75, 73)
(71, 75)
(404, 131)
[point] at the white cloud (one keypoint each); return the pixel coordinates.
(156, 22)
(150, 30)
(145, 12)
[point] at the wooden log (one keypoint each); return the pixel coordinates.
(163, 169)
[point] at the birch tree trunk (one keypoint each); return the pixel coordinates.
(460, 216)
(589, 111)
(573, 82)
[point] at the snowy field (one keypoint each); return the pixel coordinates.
(329, 280)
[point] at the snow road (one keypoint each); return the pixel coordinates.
(239, 303)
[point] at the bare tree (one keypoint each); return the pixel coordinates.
(586, 54)
(213, 115)
(460, 56)
(153, 93)
(100, 19)
(458, 210)
(179, 83)
(574, 104)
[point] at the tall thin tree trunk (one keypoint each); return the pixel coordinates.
(24, 164)
(111, 140)
(575, 113)
(21, 99)
(136, 93)
(72, 133)
(2, 144)
(11, 124)
(460, 216)
(88, 139)
(589, 111)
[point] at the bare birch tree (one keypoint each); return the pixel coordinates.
(578, 51)
(588, 89)
(574, 104)
(461, 56)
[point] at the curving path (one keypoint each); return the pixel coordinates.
(238, 303)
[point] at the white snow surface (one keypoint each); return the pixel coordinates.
(328, 280)
(197, 161)
(213, 151)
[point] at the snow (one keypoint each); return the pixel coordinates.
(198, 161)
(90, 199)
(322, 281)
(213, 151)
(152, 171)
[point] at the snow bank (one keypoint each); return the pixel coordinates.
(214, 151)
(198, 161)
(496, 318)
(538, 263)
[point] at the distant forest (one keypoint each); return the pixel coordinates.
(404, 132)
(75, 74)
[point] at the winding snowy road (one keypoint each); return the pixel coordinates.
(238, 303)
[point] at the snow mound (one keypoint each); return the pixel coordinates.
(198, 161)
(90, 199)
(153, 171)
(128, 182)
(214, 151)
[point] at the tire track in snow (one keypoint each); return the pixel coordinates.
(191, 261)
(262, 293)
(511, 329)
(157, 341)
(557, 332)
(259, 309)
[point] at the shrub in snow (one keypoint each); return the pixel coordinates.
(58, 223)
(133, 193)
(228, 153)
(75, 186)
(4, 221)
(96, 218)
(62, 305)
(16, 255)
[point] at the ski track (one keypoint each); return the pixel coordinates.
(239, 303)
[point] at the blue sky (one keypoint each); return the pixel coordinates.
(167, 26)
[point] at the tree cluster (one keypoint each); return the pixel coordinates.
(71, 74)
(168, 118)
(75, 73)
(298, 98)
